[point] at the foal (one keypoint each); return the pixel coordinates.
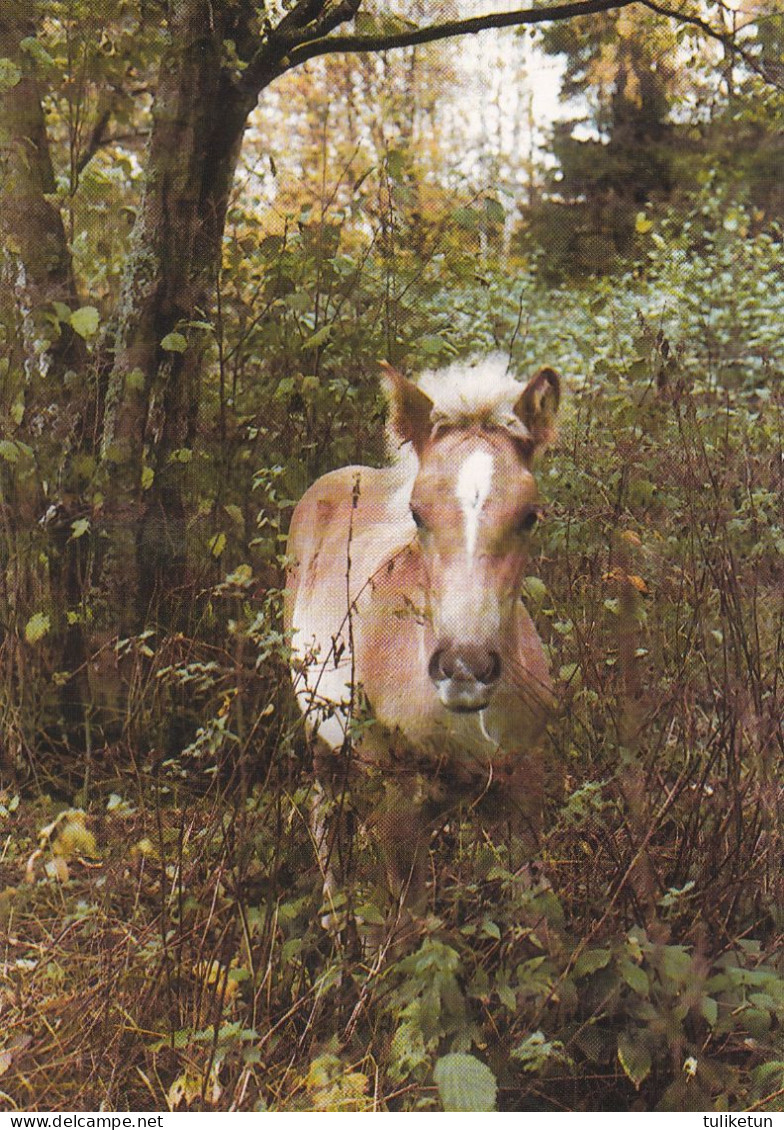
(415, 662)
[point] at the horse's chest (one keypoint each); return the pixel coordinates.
(418, 728)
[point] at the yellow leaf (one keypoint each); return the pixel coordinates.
(36, 627)
(217, 544)
(213, 974)
(68, 837)
(57, 868)
(146, 848)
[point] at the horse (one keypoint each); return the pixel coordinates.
(414, 660)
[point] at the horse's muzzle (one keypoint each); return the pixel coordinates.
(464, 675)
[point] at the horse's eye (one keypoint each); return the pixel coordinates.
(528, 520)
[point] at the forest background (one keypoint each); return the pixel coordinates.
(196, 293)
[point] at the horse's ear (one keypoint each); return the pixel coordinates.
(409, 408)
(538, 405)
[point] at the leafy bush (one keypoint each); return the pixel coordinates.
(638, 962)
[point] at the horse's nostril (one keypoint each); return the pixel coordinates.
(434, 666)
(491, 672)
(468, 664)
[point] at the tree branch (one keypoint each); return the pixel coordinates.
(310, 21)
(291, 44)
(96, 139)
(772, 73)
(413, 37)
(301, 15)
(317, 17)
(305, 34)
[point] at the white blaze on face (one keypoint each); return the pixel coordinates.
(473, 487)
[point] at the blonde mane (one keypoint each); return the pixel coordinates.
(474, 390)
(478, 390)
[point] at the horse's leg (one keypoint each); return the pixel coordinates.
(520, 809)
(331, 832)
(402, 824)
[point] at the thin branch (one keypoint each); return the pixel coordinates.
(772, 73)
(96, 140)
(301, 15)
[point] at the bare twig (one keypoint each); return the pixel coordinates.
(772, 73)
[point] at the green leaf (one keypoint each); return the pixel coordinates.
(467, 218)
(507, 997)
(534, 591)
(591, 960)
(9, 450)
(242, 575)
(757, 1022)
(635, 978)
(464, 1083)
(174, 343)
(36, 50)
(676, 963)
(148, 477)
(407, 1050)
(365, 24)
(634, 1057)
(79, 528)
(710, 1010)
(36, 627)
(320, 337)
(396, 164)
(10, 75)
(85, 321)
(432, 344)
(490, 929)
(569, 673)
(494, 210)
(535, 1051)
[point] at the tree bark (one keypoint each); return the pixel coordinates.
(153, 392)
(35, 273)
(36, 261)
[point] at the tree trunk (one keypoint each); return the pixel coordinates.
(153, 389)
(36, 262)
(46, 409)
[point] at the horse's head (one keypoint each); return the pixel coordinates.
(473, 505)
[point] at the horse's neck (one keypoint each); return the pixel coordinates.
(397, 487)
(382, 525)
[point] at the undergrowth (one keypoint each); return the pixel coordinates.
(160, 945)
